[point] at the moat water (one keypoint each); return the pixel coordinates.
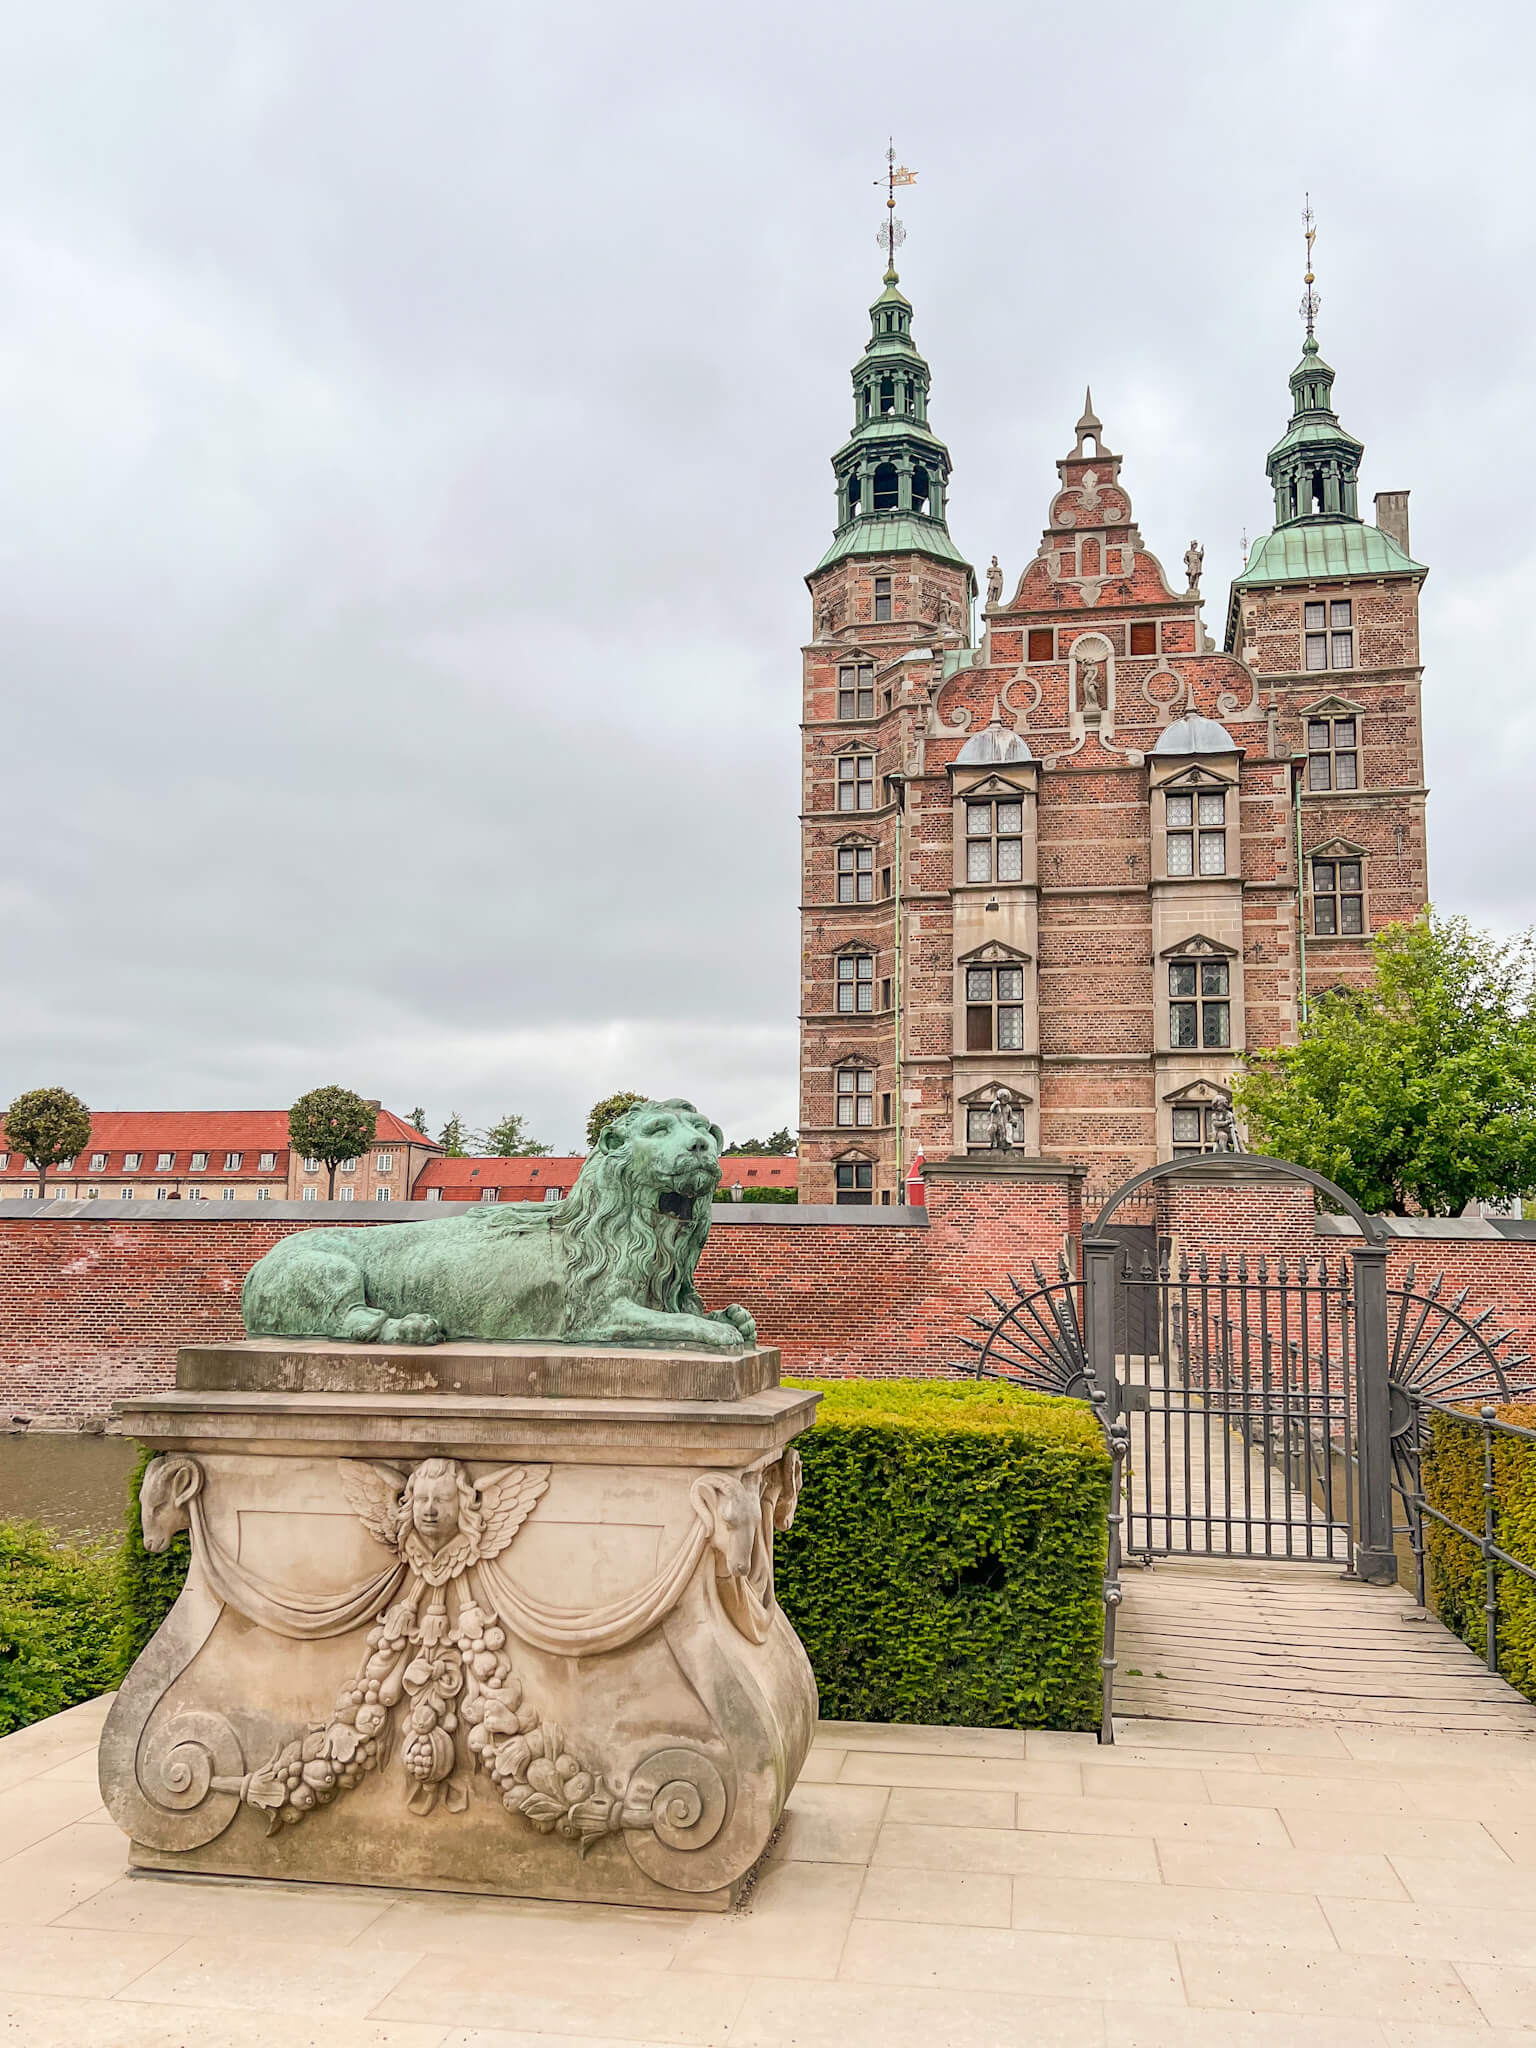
(76, 1485)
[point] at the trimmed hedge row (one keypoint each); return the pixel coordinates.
(58, 1624)
(946, 1563)
(1453, 1482)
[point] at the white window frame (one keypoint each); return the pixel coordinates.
(382, 1194)
(348, 1166)
(309, 1194)
(384, 1162)
(165, 1162)
(232, 1161)
(311, 1166)
(490, 1194)
(198, 1163)
(432, 1195)
(346, 1194)
(132, 1161)
(98, 1162)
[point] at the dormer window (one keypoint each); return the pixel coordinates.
(856, 690)
(1196, 821)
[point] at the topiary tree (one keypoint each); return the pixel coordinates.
(47, 1125)
(603, 1113)
(332, 1124)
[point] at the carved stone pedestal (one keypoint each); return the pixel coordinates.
(445, 1635)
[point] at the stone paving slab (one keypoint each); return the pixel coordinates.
(1196, 1886)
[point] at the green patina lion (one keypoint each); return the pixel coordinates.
(613, 1264)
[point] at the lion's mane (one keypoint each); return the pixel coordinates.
(618, 1244)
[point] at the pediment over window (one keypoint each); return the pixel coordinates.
(994, 785)
(864, 1158)
(854, 839)
(1199, 1094)
(854, 746)
(853, 946)
(1198, 947)
(1198, 778)
(854, 1059)
(987, 1092)
(991, 953)
(1337, 849)
(1331, 707)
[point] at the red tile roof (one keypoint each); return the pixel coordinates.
(517, 1180)
(757, 1170)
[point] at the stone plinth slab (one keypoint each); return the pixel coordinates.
(473, 1640)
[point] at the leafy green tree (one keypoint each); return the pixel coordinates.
(418, 1117)
(604, 1113)
(331, 1124)
(778, 1145)
(454, 1137)
(47, 1125)
(1417, 1094)
(510, 1140)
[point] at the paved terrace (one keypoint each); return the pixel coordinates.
(1198, 1886)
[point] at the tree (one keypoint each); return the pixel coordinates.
(454, 1137)
(331, 1124)
(604, 1113)
(779, 1145)
(47, 1125)
(418, 1117)
(509, 1140)
(1417, 1093)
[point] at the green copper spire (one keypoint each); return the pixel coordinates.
(1315, 465)
(892, 472)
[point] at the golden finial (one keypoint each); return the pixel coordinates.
(1310, 300)
(891, 232)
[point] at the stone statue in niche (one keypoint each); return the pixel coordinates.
(1090, 677)
(949, 615)
(994, 584)
(1194, 562)
(612, 1264)
(826, 619)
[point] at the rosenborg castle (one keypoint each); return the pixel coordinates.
(1091, 858)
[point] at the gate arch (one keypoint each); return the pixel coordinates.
(1238, 1167)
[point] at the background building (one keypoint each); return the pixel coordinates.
(1062, 861)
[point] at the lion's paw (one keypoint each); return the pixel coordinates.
(739, 1319)
(411, 1330)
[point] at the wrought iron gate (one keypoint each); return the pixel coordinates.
(1254, 1407)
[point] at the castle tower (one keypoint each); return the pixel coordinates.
(1326, 611)
(891, 607)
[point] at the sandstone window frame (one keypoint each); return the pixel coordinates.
(970, 790)
(853, 1181)
(1328, 753)
(854, 782)
(853, 982)
(1199, 1003)
(1188, 838)
(1340, 904)
(1328, 634)
(855, 871)
(855, 683)
(853, 1095)
(883, 598)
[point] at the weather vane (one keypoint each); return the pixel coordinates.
(1310, 299)
(891, 234)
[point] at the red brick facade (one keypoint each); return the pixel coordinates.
(1151, 790)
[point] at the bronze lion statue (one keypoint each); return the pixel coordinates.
(612, 1264)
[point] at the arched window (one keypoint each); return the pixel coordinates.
(919, 490)
(855, 492)
(1317, 490)
(885, 491)
(1090, 445)
(887, 395)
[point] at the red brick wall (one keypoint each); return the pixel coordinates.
(91, 1310)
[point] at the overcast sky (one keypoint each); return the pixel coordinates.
(414, 432)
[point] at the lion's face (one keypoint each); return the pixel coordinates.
(670, 1147)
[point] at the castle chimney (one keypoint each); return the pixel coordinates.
(1392, 517)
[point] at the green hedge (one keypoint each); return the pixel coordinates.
(723, 1194)
(946, 1564)
(58, 1624)
(1453, 1482)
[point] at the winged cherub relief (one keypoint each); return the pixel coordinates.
(436, 1671)
(437, 1677)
